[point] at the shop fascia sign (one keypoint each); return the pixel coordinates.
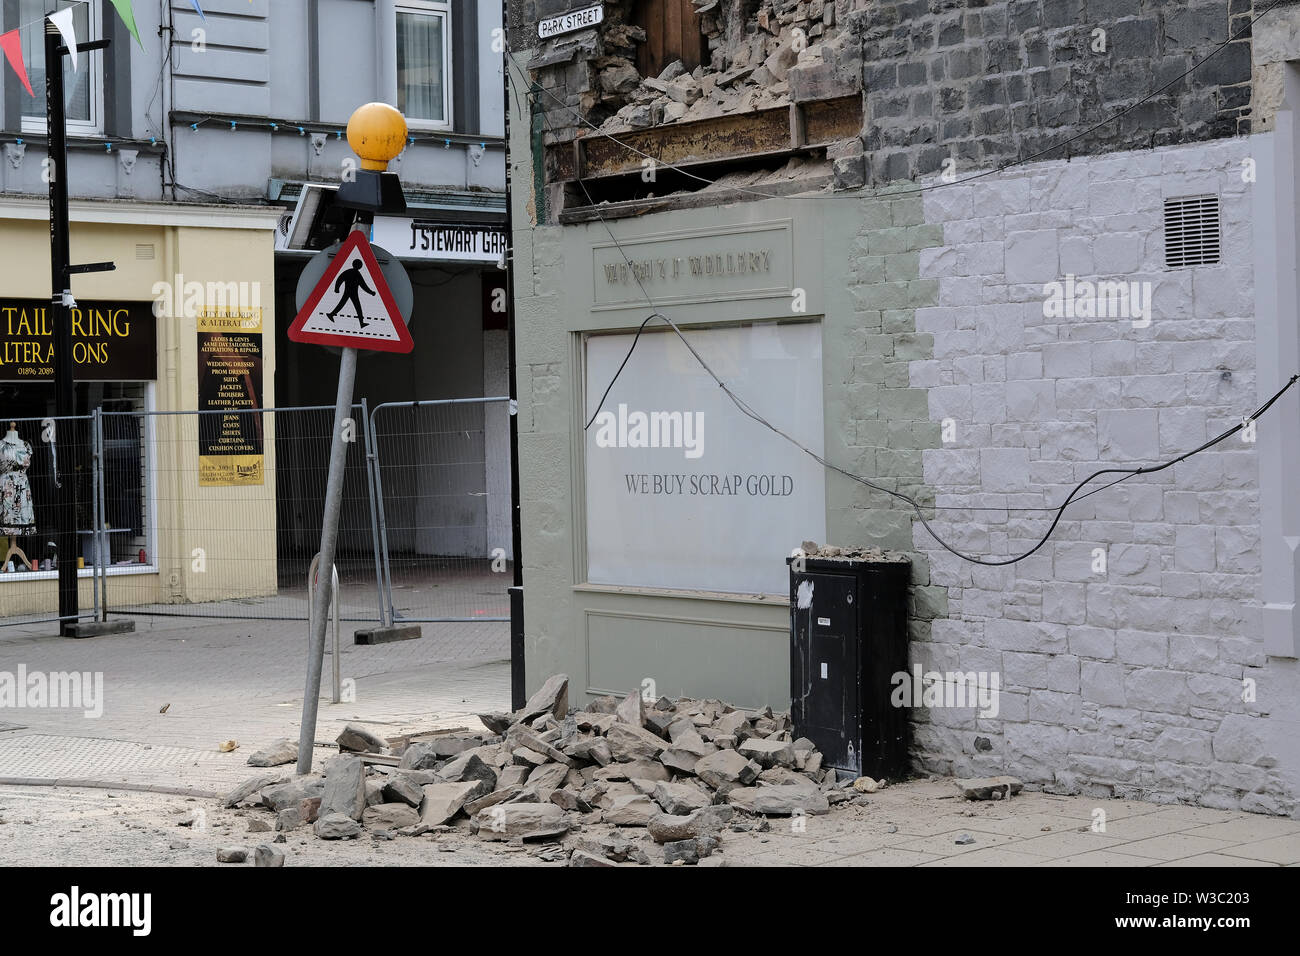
(571, 21)
(409, 238)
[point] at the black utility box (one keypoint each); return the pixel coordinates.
(848, 640)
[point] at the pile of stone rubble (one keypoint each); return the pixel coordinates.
(680, 772)
(786, 49)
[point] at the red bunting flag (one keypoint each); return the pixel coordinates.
(11, 42)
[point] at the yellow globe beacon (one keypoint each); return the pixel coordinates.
(377, 133)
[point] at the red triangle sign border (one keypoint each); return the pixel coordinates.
(355, 244)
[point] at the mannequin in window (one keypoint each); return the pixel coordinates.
(16, 514)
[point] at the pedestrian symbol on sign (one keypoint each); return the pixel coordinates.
(353, 279)
(353, 287)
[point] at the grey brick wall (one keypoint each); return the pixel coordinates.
(1128, 681)
(990, 83)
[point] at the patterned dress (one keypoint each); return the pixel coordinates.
(16, 515)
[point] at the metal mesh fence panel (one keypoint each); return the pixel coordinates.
(61, 454)
(232, 535)
(442, 472)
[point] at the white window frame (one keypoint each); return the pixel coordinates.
(442, 9)
(92, 61)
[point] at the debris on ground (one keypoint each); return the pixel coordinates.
(989, 788)
(625, 781)
(276, 755)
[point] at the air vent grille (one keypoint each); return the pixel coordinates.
(1191, 231)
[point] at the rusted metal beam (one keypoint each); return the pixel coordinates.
(738, 136)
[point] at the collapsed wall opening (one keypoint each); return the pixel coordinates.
(681, 96)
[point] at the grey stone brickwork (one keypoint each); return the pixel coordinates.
(1129, 680)
(990, 83)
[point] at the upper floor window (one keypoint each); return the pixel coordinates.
(424, 62)
(84, 88)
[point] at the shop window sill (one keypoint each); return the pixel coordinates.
(730, 596)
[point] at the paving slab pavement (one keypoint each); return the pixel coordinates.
(176, 688)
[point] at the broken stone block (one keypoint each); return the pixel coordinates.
(544, 723)
(526, 821)
(497, 723)
(337, 826)
(604, 794)
(680, 798)
(251, 786)
(442, 801)
(679, 760)
(681, 851)
(693, 743)
(435, 749)
(781, 800)
(472, 807)
(513, 775)
(784, 776)
(590, 748)
(551, 698)
(628, 743)
(356, 739)
(390, 816)
(276, 755)
(989, 788)
(632, 710)
(730, 723)
(658, 721)
(727, 766)
(604, 705)
(292, 792)
(767, 753)
(258, 826)
(680, 727)
(400, 788)
(620, 77)
(528, 758)
(268, 855)
(345, 788)
(633, 770)
(288, 819)
(541, 743)
(706, 844)
(308, 809)
(631, 811)
(547, 778)
(592, 720)
(664, 827)
(232, 854)
(468, 767)
(672, 71)
(583, 858)
(374, 791)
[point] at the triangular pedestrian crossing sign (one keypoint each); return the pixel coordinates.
(352, 305)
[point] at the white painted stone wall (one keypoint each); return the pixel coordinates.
(1128, 682)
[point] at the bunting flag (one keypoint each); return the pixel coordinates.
(128, 17)
(63, 20)
(12, 44)
(199, 9)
